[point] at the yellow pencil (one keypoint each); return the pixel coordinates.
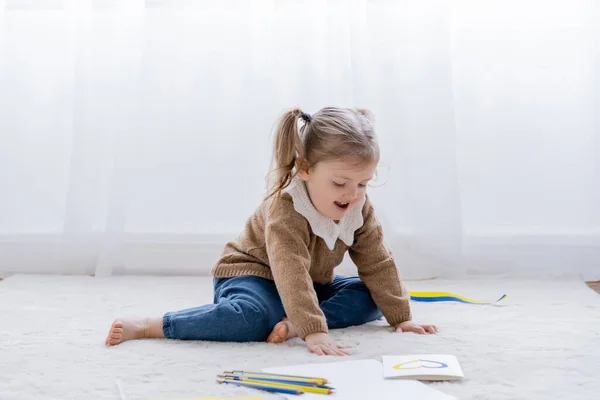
(308, 379)
(306, 389)
(287, 381)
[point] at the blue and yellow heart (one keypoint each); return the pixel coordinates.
(415, 364)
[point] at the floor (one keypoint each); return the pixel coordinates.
(53, 329)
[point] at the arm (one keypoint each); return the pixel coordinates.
(287, 239)
(377, 269)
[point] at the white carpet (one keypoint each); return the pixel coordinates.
(544, 344)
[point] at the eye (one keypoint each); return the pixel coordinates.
(362, 185)
(339, 184)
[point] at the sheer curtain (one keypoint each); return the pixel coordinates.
(135, 135)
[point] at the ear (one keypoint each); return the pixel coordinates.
(303, 168)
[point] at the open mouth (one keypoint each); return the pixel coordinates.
(341, 206)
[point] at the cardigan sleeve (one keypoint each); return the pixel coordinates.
(377, 269)
(287, 239)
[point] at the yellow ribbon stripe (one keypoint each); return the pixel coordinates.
(432, 297)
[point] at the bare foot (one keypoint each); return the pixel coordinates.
(124, 329)
(283, 331)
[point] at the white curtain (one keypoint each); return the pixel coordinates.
(135, 135)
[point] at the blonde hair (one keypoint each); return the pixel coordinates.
(331, 133)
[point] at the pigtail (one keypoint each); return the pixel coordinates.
(287, 151)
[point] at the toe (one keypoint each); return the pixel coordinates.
(278, 334)
(114, 340)
(274, 338)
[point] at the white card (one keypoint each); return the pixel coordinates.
(424, 367)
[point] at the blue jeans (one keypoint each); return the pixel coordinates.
(246, 308)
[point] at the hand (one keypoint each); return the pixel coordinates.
(321, 344)
(408, 326)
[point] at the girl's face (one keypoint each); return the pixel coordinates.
(336, 186)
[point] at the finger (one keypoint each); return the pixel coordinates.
(431, 329)
(325, 350)
(343, 348)
(344, 352)
(334, 351)
(398, 329)
(317, 350)
(330, 350)
(338, 351)
(415, 329)
(419, 330)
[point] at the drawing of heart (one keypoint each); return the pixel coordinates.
(415, 364)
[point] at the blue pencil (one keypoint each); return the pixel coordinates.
(262, 387)
(274, 380)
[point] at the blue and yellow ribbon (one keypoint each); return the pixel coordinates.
(432, 297)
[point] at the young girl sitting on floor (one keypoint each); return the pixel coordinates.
(276, 280)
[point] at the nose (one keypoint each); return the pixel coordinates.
(352, 194)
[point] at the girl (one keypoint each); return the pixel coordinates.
(276, 280)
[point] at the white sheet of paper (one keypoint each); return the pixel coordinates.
(360, 380)
(422, 367)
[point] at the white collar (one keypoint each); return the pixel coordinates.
(322, 226)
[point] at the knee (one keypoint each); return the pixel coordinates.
(256, 320)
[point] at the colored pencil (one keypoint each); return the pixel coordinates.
(319, 381)
(261, 387)
(304, 388)
(276, 380)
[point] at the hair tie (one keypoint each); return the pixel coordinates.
(305, 117)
